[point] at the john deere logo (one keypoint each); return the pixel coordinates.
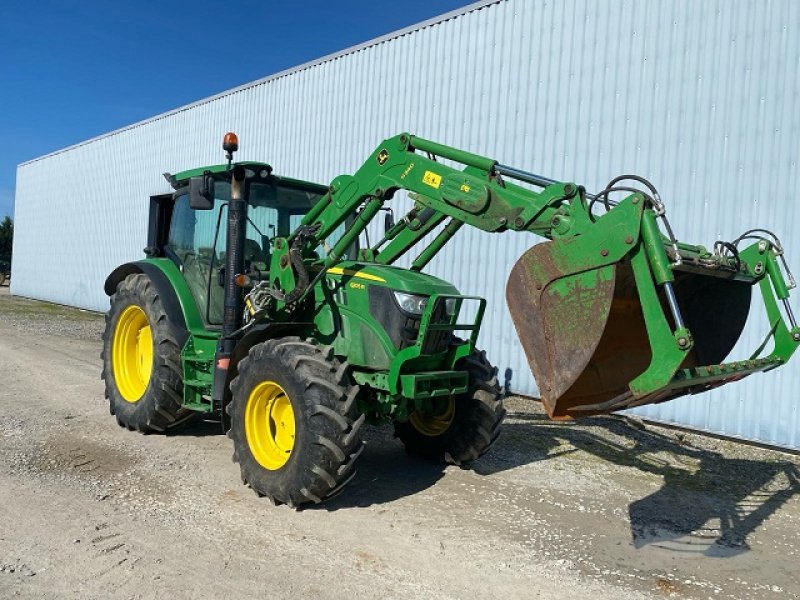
(383, 156)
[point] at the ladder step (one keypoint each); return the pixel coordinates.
(198, 359)
(199, 383)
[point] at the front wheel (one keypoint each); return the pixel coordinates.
(460, 428)
(294, 423)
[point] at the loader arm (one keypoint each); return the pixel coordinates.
(478, 195)
(611, 312)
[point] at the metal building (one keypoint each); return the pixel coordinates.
(699, 97)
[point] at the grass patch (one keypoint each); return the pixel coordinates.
(21, 307)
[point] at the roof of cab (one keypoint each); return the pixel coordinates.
(180, 179)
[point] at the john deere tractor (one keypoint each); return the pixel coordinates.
(257, 305)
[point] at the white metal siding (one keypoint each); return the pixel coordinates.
(700, 97)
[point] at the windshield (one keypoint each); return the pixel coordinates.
(276, 208)
(198, 238)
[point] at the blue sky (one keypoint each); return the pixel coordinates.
(72, 69)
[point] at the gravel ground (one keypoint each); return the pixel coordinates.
(605, 508)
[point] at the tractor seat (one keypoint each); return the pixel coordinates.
(256, 256)
(197, 273)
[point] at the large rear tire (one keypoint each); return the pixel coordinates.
(141, 359)
(465, 426)
(294, 422)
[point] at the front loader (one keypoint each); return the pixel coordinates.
(257, 304)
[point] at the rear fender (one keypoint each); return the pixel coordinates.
(172, 290)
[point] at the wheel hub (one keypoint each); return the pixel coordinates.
(132, 353)
(269, 425)
(436, 423)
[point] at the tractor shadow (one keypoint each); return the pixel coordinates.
(385, 473)
(198, 426)
(707, 503)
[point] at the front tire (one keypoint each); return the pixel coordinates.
(464, 427)
(141, 359)
(294, 423)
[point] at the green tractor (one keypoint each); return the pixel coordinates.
(256, 305)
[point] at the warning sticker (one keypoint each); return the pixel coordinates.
(432, 179)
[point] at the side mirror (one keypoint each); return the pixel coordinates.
(201, 192)
(388, 221)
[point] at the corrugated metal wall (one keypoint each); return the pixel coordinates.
(700, 97)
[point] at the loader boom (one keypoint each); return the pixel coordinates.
(602, 281)
(476, 196)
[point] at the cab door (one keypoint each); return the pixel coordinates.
(194, 243)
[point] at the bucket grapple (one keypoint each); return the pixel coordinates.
(606, 327)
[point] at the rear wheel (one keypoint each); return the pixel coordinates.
(294, 423)
(141, 359)
(460, 428)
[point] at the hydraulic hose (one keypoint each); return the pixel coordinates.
(299, 267)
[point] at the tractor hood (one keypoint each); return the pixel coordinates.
(396, 278)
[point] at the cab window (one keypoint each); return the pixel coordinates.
(197, 238)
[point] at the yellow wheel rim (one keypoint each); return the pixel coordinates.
(269, 425)
(437, 424)
(132, 353)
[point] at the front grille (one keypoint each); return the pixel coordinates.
(410, 332)
(403, 327)
(437, 341)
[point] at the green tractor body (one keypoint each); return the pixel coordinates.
(394, 325)
(255, 303)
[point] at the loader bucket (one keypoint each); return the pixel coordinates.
(583, 329)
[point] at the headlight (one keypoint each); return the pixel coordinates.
(411, 303)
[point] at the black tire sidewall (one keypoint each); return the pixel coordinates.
(327, 421)
(435, 446)
(479, 407)
(283, 477)
(155, 410)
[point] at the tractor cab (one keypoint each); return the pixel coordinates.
(191, 225)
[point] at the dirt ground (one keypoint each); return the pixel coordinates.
(608, 508)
